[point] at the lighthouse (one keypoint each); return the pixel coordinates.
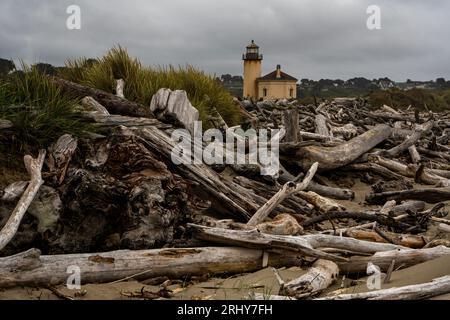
(252, 70)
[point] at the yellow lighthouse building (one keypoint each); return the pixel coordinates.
(275, 85)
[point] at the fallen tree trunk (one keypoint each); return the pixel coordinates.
(304, 244)
(111, 102)
(406, 240)
(334, 157)
(432, 195)
(37, 270)
(34, 167)
(405, 258)
(5, 124)
(427, 290)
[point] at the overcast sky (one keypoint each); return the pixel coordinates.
(309, 38)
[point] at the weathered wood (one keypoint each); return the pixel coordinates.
(255, 239)
(110, 101)
(304, 244)
(410, 141)
(5, 124)
(226, 197)
(287, 190)
(432, 195)
(334, 157)
(290, 121)
(319, 277)
(90, 104)
(404, 258)
(120, 86)
(414, 154)
(322, 204)
(438, 286)
(406, 240)
(104, 267)
(34, 167)
(321, 125)
(174, 106)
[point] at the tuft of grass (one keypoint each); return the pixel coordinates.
(40, 112)
(141, 83)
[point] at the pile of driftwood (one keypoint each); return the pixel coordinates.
(119, 193)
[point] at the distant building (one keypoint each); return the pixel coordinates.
(275, 85)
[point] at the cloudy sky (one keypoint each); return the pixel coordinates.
(309, 38)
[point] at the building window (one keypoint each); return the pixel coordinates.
(264, 92)
(291, 92)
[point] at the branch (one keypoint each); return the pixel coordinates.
(34, 168)
(288, 189)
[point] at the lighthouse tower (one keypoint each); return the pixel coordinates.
(252, 70)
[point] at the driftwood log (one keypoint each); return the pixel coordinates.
(31, 269)
(421, 291)
(34, 168)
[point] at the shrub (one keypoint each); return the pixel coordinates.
(38, 109)
(141, 83)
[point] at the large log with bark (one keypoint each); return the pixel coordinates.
(32, 269)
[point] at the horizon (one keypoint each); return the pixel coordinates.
(309, 39)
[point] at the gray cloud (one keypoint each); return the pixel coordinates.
(310, 38)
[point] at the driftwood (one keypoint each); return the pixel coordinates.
(287, 190)
(427, 290)
(321, 125)
(334, 157)
(34, 167)
(5, 124)
(111, 102)
(120, 86)
(432, 195)
(319, 277)
(320, 203)
(290, 121)
(32, 269)
(406, 240)
(304, 244)
(404, 258)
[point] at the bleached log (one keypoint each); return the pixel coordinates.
(389, 109)
(414, 154)
(90, 104)
(303, 244)
(410, 141)
(321, 125)
(120, 86)
(34, 167)
(288, 189)
(404, 257)
(37, 270)
(423, 175)
(323, 204)
(320, 276)
(438, 286)
(334, 157)
(167, 103)
(5, 124)
(14, 191)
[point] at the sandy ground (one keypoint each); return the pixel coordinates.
(244, 286)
